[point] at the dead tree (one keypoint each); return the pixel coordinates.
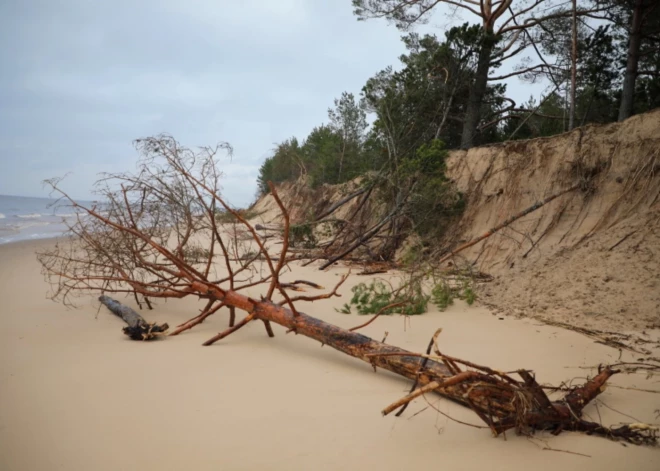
(124, 247)
(137, 328)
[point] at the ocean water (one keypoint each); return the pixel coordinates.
(24, 218)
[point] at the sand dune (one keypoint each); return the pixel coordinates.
(75, 394)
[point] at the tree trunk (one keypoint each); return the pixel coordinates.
(477, 92)
(341, 158)
(571, 117)
(634, 43)
(138, 328)
(502, 402)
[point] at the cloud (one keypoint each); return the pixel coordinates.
(80, 83)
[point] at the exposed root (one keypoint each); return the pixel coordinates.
(611, 339)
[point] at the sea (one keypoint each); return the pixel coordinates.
(26, 218)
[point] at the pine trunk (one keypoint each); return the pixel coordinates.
(634, 43)
(503, 403)
(477, 93)
(571, 118)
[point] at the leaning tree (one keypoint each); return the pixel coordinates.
(157, 233)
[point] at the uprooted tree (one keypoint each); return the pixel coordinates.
(156, 234)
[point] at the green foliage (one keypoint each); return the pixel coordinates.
(302, 235)
(434, 203)
(331, 154)
(419, 109)
(372, 298)
(286, 163)
(196, 255)
(412, 255)
(469, 295)
(225, 217)
(413, 107)
(442, 296)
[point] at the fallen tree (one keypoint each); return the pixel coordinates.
(157, 238)
(137, 328)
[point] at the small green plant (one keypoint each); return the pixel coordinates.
(411, 255)
(302, 234)
(468, 294)
(345, 309)
(196, 255)
(374, 297)
(442, 295)
(225, 217)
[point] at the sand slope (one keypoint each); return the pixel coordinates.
(75, 394)
(590, 257)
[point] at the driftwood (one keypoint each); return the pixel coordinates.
(294, 285)
(342, 202)
(618, 340)
(137, 328)
(501, 401)
(361, 239)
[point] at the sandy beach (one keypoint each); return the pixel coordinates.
(76, 394)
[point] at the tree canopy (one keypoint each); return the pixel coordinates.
(447, 88)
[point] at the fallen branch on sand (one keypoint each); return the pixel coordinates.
(611, 339)
(131, 248)
(507, 222)
(138, 328)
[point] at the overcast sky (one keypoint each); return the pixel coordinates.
(80, 80)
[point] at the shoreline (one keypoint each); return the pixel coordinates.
(36, 241)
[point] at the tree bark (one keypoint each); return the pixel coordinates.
(571, 117)
(634, 43)
(477, 92)
(342, 202)
(502, 402)
(138, 328)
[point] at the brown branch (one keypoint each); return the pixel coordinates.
(523, 71)
(246, 320)
(197, 320)
(380, 312)
(320, 296)
(505, 223)
(342, 202)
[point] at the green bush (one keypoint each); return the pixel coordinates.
(434, 203)
(302, 234)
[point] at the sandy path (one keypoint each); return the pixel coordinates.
(75, 394)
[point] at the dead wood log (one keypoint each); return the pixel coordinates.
(342, 202)
(137, 328)
(501, 401)
(294, 285)
(360, 240)
(261, 227)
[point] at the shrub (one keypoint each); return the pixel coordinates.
(372, 298)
